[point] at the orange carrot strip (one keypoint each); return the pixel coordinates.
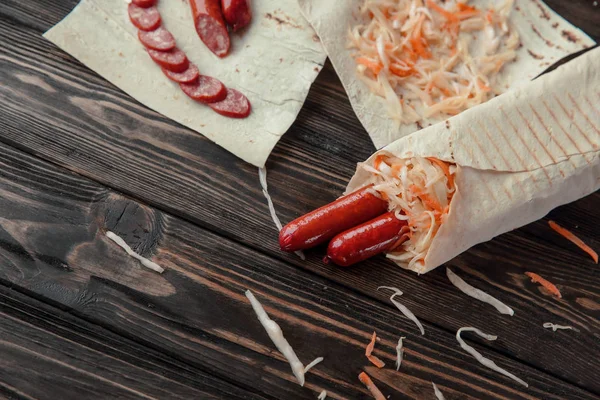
(446, 168)
(535, 278)
(366, 380)
(465, 7)
(440, 10)
(431, 203)
(376, 361)
(374, 66)
(378, 160)
(578, 242)
(371, 345)
(401, 72)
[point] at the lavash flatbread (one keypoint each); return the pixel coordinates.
(545, 36)
(518, 156)
(273, 62)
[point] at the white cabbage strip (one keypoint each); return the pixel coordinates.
(407, 313)
(485, 361)
(262, 177)
(438, 392)
(322, 395)
(478, 294)
(144, 261)
(399, 353)
(554, 327)
(276, 335)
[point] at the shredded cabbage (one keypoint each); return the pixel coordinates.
(419, 190)
(478, 294)
(403, 309)
(438, 392)
(420, 56)
(554, 327)
(144, 261)
(322, 395)
(262, 177)
(485, 361)
(276, 335)
(399, 353)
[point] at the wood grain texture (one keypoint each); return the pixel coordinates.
(52, 226)
(48, 353)
(57, 109)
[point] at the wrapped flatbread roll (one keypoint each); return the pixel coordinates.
(493, 168)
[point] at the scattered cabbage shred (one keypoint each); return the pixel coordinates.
(485, 361)
(478, 294)
(554, 327)
(403, 309)
(420, 191)
(262, 176)
(144, 261)
(276, 335)
(322, 395)
(399, 353)
(432, 58)
(438, 393)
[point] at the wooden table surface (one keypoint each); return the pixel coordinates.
(80, 319)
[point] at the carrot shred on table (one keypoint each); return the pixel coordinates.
(371, 345)
(535, 278)
(578, 242)
(366, 380)
(376, 361)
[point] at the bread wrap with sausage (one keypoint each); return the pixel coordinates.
(512, 159)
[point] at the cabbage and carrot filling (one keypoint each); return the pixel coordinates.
(419, 190)
(432, 58)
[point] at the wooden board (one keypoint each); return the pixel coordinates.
(56, 109)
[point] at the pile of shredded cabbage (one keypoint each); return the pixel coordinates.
(422, 55)
(420, 191)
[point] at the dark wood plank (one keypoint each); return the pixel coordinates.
(62, 112)
(50, 354)
(52, 243)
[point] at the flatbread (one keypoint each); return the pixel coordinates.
(273, 62)
(518, 156)
(545, 36)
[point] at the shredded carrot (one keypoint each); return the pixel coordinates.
(378, 160)
(371, 345)
(373, 66)
(535, 278)
(366, 380)
(489, 16)
(465, 7)
(401, 72)
(376, 361)
(483, 86)
(425, 198)
(440, 10)
(569, 235)
(446, 168)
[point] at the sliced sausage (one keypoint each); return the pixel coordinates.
(173, 60)
(144, 3)
(187, 76)
(235, 105)
(366, 240)
(205, 89)
(146, 19)
(159, 39)
(209, 23)
(237, 13)
(324, 223)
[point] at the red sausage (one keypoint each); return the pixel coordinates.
(209, 23)
(324, 223)
(366, 240)
(173, 60)
(205, 89)
(235, 105)
(144, 3)
(159, 39)
(146, 19)
(187, 76)
(237, 13)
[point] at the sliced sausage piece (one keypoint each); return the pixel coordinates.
(146, 19)
(364, 241)
(173, 60)
(144, 3)
(159, 39)
(187, 76)
(205, 89)
(237, 13)
(324, 223)
(209, 23)
(235, 105)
